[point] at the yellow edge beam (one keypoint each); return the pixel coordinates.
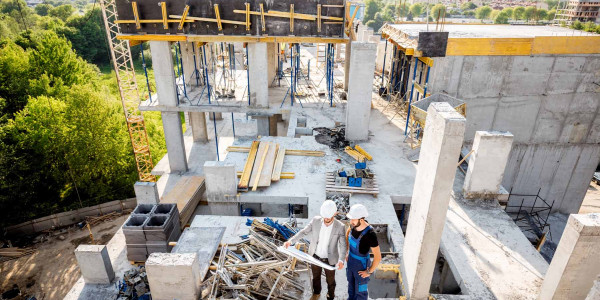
(231, 38)
(524, 46)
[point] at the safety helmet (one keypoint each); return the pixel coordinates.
(357, 211)
(328, 209)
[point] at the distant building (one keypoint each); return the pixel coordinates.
(583, 11)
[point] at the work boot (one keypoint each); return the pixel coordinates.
(315, 297)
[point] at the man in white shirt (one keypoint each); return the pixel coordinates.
(327, 244)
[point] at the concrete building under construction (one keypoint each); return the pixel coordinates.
(462, 141)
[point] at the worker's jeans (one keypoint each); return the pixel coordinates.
(329, 277)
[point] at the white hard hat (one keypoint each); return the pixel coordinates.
(357, 211)
(328, 209)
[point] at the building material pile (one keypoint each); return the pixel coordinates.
(149, 229)
(186, 193)
(264, 164)
(334, 138)
(11, 253)
(360, 181)
(254, 269)
(134, 285)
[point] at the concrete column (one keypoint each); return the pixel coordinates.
(198, 121)
(262, 126)
(146, 192)
(491, 150)
(272, 61)
(440, 150)
(360, 32)
(94, 264)
(186, 119)
(174, 140)
(187, 56)
(259, 76)
(367, 35)
(575, 265)
(273, 125)
(338, 51)
(163, 73)
(360, 91)
(218, 116)
(348, 53)
(173, 275)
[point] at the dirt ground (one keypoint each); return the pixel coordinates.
(591, 202)
(50, 272)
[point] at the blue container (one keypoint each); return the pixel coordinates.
(247, 212)
(362, 165)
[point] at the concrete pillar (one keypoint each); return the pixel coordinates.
(174, 140)
(163, 73)
(215, 116)
(262, 126)
(221, 181)
(491, 150)
(186, 119)
(273, 125)
(198, 121)
(374, 39)
(173, 275)
(348, 53)
(360, 32)
(187, 56)
(94, 264)
(575, 264)
(259, 76)
(360, 90)
(367, 35)
(338, 51)
(272, 62)
(440, 150)
(146, 192)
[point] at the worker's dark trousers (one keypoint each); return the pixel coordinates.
(329, 277)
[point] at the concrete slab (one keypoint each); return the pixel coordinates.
(201, 240)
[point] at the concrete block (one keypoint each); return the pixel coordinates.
(160, 227)
(94, 264)
(486, 164)
(221, 181)
(146, 192)
(517, 115)
(201, 240)
(262, 126)
(224, 208)
(133, 229)
(143, 209)
(137, 252)
(360, 90)
(173, 275)
(575, 264)
(440, 149)
(198, 121)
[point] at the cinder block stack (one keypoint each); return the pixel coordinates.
(149, 229)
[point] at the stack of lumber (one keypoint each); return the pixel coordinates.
(11, 253)
(358, 153)
(264, 164)
(368, 188)
(93, 221)
(186, 194)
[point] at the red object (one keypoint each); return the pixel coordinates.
(338, 160)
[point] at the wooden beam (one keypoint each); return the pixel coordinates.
(218, 16)
(283, 14)
(192, 19)
(352, 19)
(262, 17)
(284, 175)
(248, 166)
(226, 38)
(267, 170)
(278, 164)
(363, 152)
(183, 16)
(292, 18)
(247, 12)
(318, 17)
(260, 166)
(136, 15)
(163, 9)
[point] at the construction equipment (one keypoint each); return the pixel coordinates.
(128, 91)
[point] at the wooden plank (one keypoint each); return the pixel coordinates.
(262, 148)
(260, 166)
(186, 194)
(287, 151)
(363, 152)
(278, 164)
(267, 170)
(284, 175)
(248, 166)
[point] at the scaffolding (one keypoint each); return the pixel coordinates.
(530, 213)
(120, 53)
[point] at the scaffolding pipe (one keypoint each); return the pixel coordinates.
(216, 137)
(196, 66)
(383, 66)
(248, 73)
(410, 100)
(146, 72)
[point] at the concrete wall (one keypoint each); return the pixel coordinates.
(549, 103)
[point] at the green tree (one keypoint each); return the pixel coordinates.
(438, 11)
(541, 14)
(483, 12)
(43, 9)
(501, 18)
(518, 12)
(389, 12)
(416, 9)
(371, 8)
(577, 25)
(552, 3)
(62, 12)
(468, 6)
(508, 11)
(402, 10)
(14, 71)
(493, 14)
(88, 37)
(551, 15)
(529, 13)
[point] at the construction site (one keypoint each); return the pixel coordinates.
(471, 146)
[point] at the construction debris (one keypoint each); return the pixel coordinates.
(359, 181)
(11, 253)
(134, 285)
(334, 138)
(342, 202)
(253, 268)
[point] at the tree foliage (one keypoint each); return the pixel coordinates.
(529, 13)
(483, 12)
(438, 10)
(468, 5)
(501, 18)
(518, 12)
(416, 9)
